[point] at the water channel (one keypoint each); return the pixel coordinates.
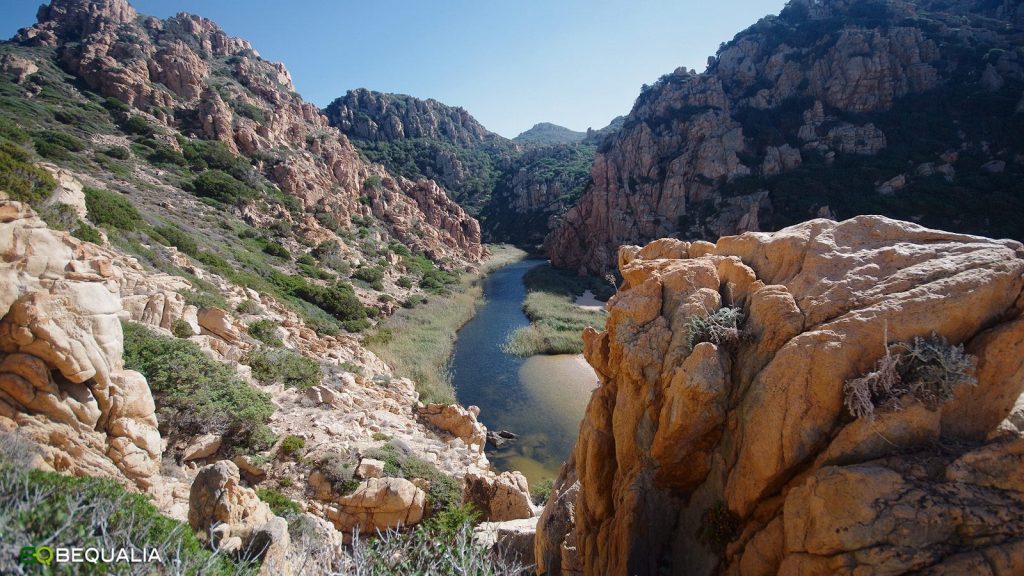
(541, 398)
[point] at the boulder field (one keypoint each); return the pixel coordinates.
(744, 459)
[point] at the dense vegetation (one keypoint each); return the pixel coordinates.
(195, 394)
(556, 322)
(37, 506)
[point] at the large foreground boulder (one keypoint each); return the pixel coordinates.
(62, 378)
(705, 451)
(376, 504)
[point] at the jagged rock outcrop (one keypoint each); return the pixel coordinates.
(189, 75)
(498, 498)
(234, 519)
(455, 420)
(368, 115)
(809, 112)
(742, 458)
(62, 378)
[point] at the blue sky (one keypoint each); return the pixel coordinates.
(511, 63)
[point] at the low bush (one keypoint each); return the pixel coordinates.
(119, 152)
(21, 179)
(292, 446)
(540, 491)
(249, 306)
(106, 208)
(279, 503)
(57, 145)
(339, 470)
(369, 274)
(265, 331)
(136, 125)
(925, 369)
(171, 235)
(280, 366)
(720, 328)
(85, 512)
(85, 232)
(223, 187)
(195, 394)
(181, 329)
(275, 249)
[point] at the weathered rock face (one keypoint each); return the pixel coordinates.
(786, 123)
(501, 498)
(62, 377)
(235, 520)
(191, 76)
(377, 504)
(745, 461)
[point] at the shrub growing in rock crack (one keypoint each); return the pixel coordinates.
(339, 470)
(926, 369)
(292, 369)
(720, 328)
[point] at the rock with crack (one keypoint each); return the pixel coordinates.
(699, 458)
(457, 421)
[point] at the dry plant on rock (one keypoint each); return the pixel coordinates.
(721, 328)
(926, 369)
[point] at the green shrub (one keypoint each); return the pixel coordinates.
(195, 394)
(164, 155)
(57, 145)
(223, 187)
(181, 329)
(405, 282)
(204, 299)
(369, 273)
(87, 233)
(381, 437)
(22, 180)
(107, 208)
(249, 111)
(285, 367)
(279, 503)
(137, 125)
(119, 152)
(265, 331)
(171, 235)
(95, 513)
(292, 446)
(925, 369)
(373, 181)
(444, 492)
(540, 491)
(275, 249)
(306, 259)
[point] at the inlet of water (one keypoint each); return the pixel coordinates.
(541, 398)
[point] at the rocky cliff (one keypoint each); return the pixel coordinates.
(517, 188)
(189, 76)
(832, 398)
(837, 108)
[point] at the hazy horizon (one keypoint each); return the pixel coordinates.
(511, 65)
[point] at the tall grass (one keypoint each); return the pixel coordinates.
(556, 322)
(417, 342)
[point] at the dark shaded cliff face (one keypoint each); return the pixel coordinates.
(910, 109)
(517, 188)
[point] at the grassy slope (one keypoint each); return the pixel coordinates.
(417, 342)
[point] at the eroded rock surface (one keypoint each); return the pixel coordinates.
(747, 462)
